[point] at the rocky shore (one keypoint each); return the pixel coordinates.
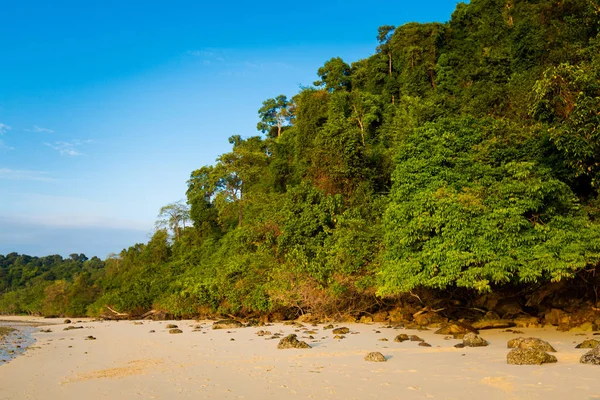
(298, 359)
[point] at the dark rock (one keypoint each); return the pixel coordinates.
(401, 338)
(340, 331)
(588, 344)
(459, 345)
(415, 338)
(340, 337)
(46, 330)
(556, 317)
(67, 321)
(263, 333)
(90, 338)
(291, 342)
(71, 327)
(529, 356)
(227, 324)
(171, 326)
(527, 321)
(591, 357)
(530, 343)
(473, 340)
(424, 344)
(383, 340)
(173, 331)
(152, 331)
(375, 357)
(328, 327)
(430, 318)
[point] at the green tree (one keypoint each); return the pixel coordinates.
(275, 113)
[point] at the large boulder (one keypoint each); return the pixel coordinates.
(473, 340)
(588, 344)
(291, 342)
(530, 343)
(527, 321)
(530, 356)
(556, 317)
(456, 328)
(430, 319)
(227, 324)
(591, 357)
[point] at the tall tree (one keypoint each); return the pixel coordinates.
(276, 112)
(174, 216)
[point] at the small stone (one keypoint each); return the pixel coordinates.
(383, 340)
(152, 331)
(67, 321)
(415, 338)
(328, 326)
(401, 338)
(171, 326)
(424, 344)
(375, 357)
(459, 345)
(71, 327)
(291, 342)
(90, 338)
(529, 356)
(340, 337)
(174, 331)
(232, 340)
(340, 331)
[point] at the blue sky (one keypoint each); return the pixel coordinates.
(107, 106)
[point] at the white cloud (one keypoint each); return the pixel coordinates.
(68, 148)
(5, 147)
(208, 56)
(24, 175)
(37, 129)
(4, 128)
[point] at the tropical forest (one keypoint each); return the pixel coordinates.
(452, 173)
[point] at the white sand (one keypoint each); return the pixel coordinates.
(128, 362)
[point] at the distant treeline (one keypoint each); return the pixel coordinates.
(462, 157)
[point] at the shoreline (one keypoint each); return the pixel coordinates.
(127, 360)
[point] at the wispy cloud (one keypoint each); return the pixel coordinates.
(4, 128)
(208, 56)
(68, 148)
(24, 175)
(5, 147)
(38, 129)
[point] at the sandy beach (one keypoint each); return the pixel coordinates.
(126, 361)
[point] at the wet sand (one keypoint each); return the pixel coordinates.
(127, 362)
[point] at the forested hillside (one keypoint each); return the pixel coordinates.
(458, 160)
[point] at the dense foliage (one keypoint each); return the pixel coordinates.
(458, 155)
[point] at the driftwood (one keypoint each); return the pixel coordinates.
(114, 314)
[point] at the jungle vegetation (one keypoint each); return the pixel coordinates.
(458, 157)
